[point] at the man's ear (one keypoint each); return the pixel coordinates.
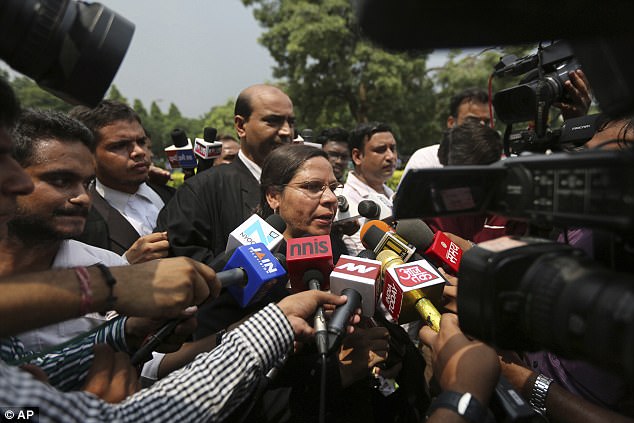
(356, 156)
(239, 123)
(451, 122)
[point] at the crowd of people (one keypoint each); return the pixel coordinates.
(97, 253)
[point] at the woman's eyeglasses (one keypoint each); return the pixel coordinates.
(314, 189)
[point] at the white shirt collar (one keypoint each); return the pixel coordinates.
(255, 170)
(362, 188)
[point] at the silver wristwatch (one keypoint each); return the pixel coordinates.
(539, 393)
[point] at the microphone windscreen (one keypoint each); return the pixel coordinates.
(368, 254)
(416, 232)
(277, 222)
(209, 134)
(342, 203)
(378, 223)
(179, 138)
(369, 209)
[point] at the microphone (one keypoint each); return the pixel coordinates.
(255, 229)
(313, 278)
(369, 209)
(303, 254)
(251, 272)
(411, 289)
(360, 274)
(357, 278)
(181, 154)
(437, 247)
(262, 270)
(341, 316)
(374, 237)
(207, 148)
(349, 210)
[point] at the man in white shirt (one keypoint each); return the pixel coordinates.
(125, 206)
(373, 151)
(471, 103)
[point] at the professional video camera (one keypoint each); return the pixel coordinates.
(542, 86)
(591, 188)
(72, 49)
(529, 294)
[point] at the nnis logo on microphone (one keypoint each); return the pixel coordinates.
(266, 263)
(255, 233)
(308, 247)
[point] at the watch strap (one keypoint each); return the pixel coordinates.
(464, 404)
(539, 392)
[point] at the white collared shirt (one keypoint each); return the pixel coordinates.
(255, 170)
(356, 191)
(140, 209)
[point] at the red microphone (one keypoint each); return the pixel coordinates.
(410, 290)
(303, 254)
(437, 247)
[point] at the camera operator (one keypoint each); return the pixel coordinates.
(465, 366)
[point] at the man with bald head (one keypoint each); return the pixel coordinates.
(210, 205)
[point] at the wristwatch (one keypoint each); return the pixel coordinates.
(539, 393)
(465, 405)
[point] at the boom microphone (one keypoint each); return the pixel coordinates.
(437, 247)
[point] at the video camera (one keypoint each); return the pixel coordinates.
(530, 294)
(542, 86)
(72, 49)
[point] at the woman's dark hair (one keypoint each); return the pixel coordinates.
(280, 167)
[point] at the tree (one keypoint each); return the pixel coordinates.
(115, 94)
(32, 96)
(335, 77)
(221, 118)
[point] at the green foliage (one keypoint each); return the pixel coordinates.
(335, 77)
(221, 118)
(115, 95)
(32, 96)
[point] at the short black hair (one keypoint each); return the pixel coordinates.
(9, 105)
(336, 134)
(243, 105)
(363, 132)
(35, 126)
(104, 114)
(470, 94)
(470, 144)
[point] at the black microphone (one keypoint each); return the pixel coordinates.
(369, 209)
(180, 154)
(339, 320)
(207, 149)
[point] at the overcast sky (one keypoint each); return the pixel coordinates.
(194, 53)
